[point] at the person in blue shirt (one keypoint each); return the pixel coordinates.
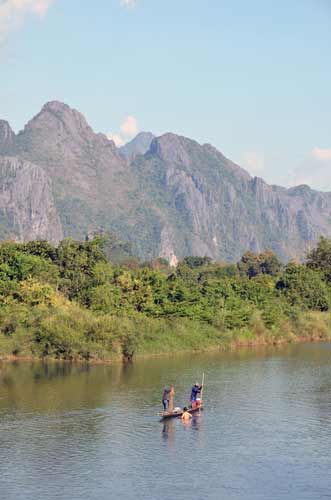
(196, 389)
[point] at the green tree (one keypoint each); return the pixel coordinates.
(253, 264)
(39, 248)
(305, 287)
(195, 261)
(77, 262)
(319, 259)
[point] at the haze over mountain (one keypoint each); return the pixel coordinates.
(169, 196)
(139, 145)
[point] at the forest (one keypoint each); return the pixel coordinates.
(94, 301)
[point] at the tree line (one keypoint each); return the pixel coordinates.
(77, 301)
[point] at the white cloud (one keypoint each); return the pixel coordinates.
(129, 4)
(321, 154)
(13, 12)
(129, 127)
(254, 162)
(314, 170)
(128, 130)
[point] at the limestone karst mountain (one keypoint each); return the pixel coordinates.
(169, 196)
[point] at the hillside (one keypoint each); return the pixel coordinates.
(178, 198)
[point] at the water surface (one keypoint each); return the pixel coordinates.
(92, 432)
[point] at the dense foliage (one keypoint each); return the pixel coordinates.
(73, 301)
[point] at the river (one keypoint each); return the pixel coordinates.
(83, 432)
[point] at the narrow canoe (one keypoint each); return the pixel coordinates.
(179, 413)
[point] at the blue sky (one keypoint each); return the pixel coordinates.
(251, 77)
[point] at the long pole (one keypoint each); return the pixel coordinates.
(171, 400)
(203, 383)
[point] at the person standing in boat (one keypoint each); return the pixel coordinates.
(166, 398)
(196, 389)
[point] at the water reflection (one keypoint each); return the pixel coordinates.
(172, 429)
(168, 432)
(197, 427)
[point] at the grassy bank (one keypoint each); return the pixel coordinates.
(80, 336)
(188, 336)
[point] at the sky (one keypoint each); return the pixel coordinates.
(253, 78)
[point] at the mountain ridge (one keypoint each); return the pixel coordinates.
(168, 196)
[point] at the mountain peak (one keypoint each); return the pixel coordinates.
(6, 135)
(60, 111)
(59, 120)
(174, 148)
(187, 152)
(138, 146)
(56, 107)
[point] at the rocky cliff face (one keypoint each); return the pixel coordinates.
(213, 207)
(169, 196)
(27, 209)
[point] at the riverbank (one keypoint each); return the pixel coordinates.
(167, 338)
(188, 336)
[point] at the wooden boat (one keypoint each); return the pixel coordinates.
(179, 413)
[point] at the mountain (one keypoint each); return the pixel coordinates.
(83, 167)
(210, 206)
(138, 146)
(167, 196)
